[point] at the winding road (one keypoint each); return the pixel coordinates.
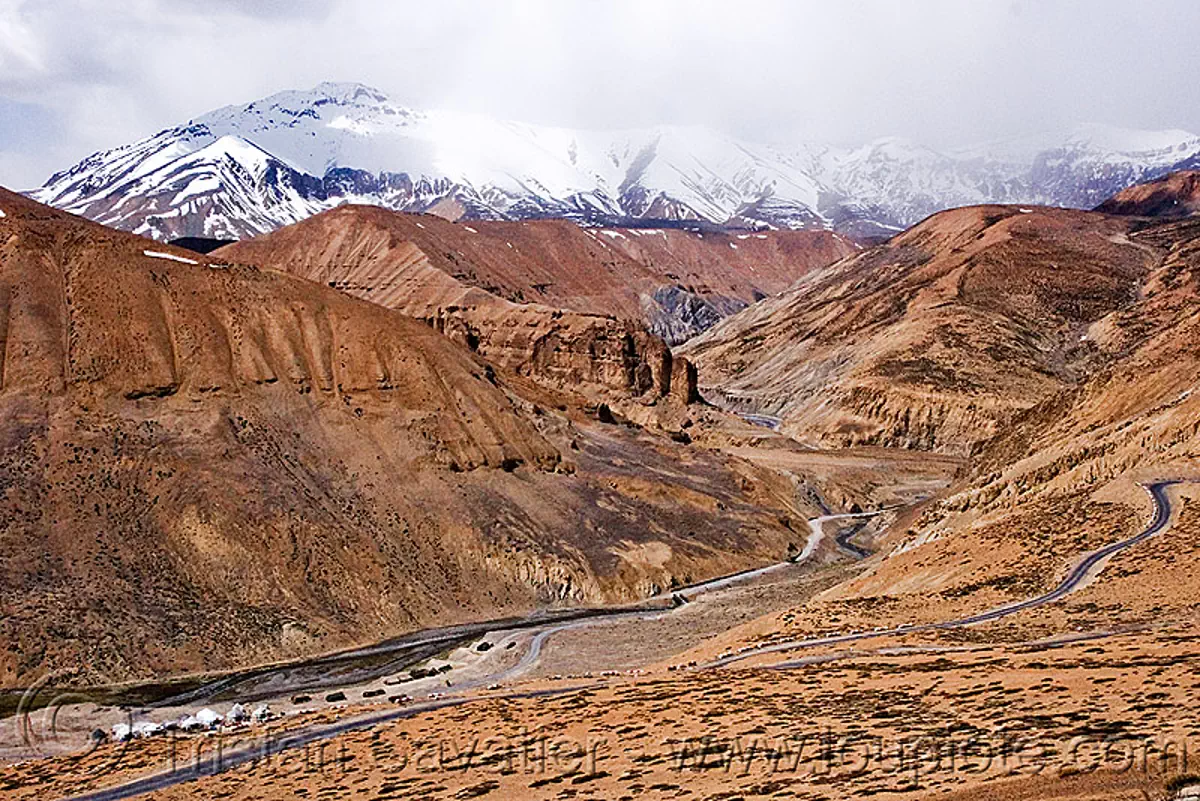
(1088, 567)
(1090, 564)
(534, 651)
(264, 747)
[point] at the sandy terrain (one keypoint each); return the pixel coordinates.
(991, 721)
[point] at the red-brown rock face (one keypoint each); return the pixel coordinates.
(1172, 196)
(365, 252)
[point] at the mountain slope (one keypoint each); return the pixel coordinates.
(205, 466)
(1060, 480)
(936, 339)
(674, 283)
(1174, 195)
(348, 142)
(453, 276)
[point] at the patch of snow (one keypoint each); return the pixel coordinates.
(613, 234)
(158, 254)
(469, 228)
(732, 246)
(200, 185)
(1025, 211)
(2, 214)
(344, 123)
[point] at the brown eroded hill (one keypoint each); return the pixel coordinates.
(1174, 195)
(204, 466)
(673, 282)
(936, 339)
(1061, 481)
(361, 251)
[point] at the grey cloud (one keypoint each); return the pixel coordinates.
(936, 71)
(265, 9)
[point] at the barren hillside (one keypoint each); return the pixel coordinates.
(1060, 477)
(674, 282)
(205, 466)
(936, 339)
(1172, 196)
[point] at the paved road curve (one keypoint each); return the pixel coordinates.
(1087, 567)
(1090, 563)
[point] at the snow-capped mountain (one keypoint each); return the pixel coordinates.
(243, 170)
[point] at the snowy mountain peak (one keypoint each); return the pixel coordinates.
(349, 92)
(1093, 137)
(237, 149)
(282, 107)
(245, 169)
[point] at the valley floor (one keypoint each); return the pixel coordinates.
(707, 700)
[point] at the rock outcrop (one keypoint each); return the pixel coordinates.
(570, 351)
(363, 252)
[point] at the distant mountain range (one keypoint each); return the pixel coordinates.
(244, 170)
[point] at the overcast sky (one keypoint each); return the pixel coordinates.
(80, 75)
